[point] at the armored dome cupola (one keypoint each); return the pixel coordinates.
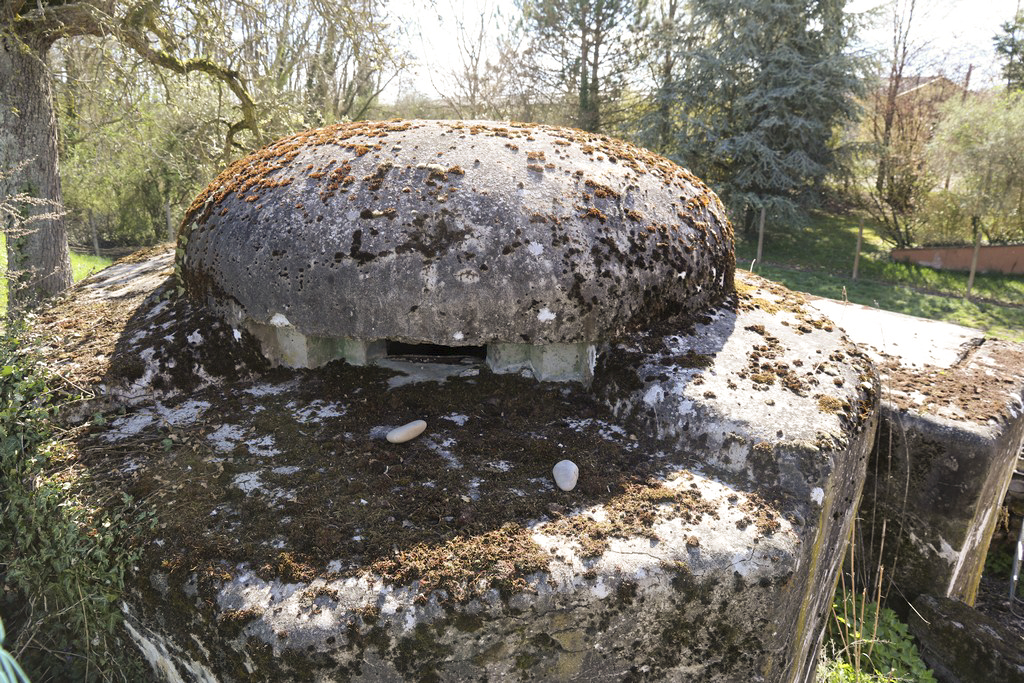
(527, 244)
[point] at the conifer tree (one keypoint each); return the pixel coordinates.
(580, 49)
(764, 90)
(1010, 46)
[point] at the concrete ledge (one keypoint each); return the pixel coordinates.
(547, 362)
(952, 427)
(962, 645)
(284, 345)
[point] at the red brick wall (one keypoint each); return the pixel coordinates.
(997, 259)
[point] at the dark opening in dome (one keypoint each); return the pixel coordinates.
(436, 353)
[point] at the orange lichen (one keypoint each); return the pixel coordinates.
(601, 191)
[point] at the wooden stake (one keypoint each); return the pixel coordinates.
(167, 217)
(856, 255)
(95, 235)
(974, 256)
(760, 236)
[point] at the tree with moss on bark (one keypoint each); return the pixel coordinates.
(138, 142)
(37, 249)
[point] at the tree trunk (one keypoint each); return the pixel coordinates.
(167, 217)
(38, 262)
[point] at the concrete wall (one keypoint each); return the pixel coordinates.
(1003, 258)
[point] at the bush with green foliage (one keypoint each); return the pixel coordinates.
(866, 644)
(942, 221)
(977, 146)
(63, 561)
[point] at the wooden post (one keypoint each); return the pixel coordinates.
(974, 256)
(760, 236)
(856, 255)
(95, 235)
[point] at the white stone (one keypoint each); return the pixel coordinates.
(565, 473)
(406, 432)
(279, 320)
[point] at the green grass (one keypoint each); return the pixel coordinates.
(84, 265)
(817, 258)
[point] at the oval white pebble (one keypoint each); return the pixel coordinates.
(406, 432)
(566, 473)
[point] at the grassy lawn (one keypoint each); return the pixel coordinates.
(817, 258)
(84, 265)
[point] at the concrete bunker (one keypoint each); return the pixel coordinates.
(536, 244)
(720, 456)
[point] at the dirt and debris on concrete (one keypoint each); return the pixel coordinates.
(287, 522)
(935, 368)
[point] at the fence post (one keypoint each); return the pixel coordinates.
(856, 255)
(974, 256)
(760, 236)
(95, 235)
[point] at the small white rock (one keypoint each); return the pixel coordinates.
(566, 473)
(278, 320)
(406, 432)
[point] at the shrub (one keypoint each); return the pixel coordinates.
(866, 644)
(10, 671)
(62, 561)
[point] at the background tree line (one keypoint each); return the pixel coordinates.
(769, 101)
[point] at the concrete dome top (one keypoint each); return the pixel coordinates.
(456, 233)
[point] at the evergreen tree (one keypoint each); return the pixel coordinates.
(666, 38)
(1010, 46)
(764, 90)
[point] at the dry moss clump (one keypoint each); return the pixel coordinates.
(468, 566)
(633, 514)
(830, 404)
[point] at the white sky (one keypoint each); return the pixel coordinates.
(951, 34)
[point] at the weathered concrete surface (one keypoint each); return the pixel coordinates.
(701, 543)
(454, 233)
(952, 426)
(961, 645)
(101, 341)
(766, 415)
